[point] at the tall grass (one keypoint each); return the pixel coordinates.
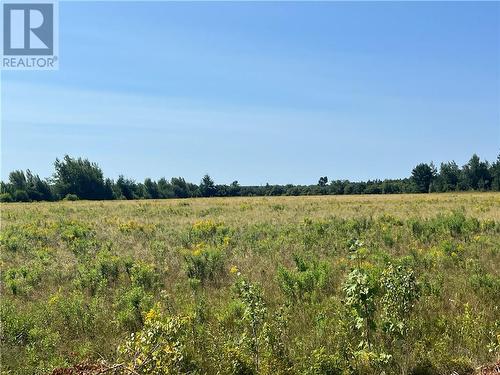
(405, 284)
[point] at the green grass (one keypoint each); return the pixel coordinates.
(253, 285)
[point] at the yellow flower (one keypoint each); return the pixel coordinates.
(233, 269)
(198, 248)
(54, 299)
(168, 349)
(151, 315)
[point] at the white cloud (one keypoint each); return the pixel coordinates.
(25, 103)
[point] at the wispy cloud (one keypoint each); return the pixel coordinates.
(25, 103)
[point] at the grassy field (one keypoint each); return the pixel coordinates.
(401, 284)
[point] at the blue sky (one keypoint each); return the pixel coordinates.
(260, 92)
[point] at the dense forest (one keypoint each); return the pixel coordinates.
(78, 178)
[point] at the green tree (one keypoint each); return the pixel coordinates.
(151, 187)
(17, 179)
(449, 176)
(180, 187)
(234, 189)
(422, 176)
(323, 181)
(207, 186)
(495, 174)
(38, 189)
(165, 189)
(126, 187)
(80, 177)
(476, 174)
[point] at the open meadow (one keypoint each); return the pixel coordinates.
(401, 284)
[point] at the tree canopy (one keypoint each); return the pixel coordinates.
(78, 178)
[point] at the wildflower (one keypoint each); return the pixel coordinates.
(54, 299)
(198, 249)
(151, 315)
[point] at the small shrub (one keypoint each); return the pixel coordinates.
(424, 368)
(16, 325)
(254, 315)
(460, 226)
(14, 239)
(23, 279)
(96, 274)
(204, 263)
(73, 230)
(79, 237)
(108, 265)
(304, 283)
(322, 363)
(359, 290)
(486, 284)
(131, 306)
(400, 293)
(161, 347)
(239, 362)
(207, 231)
(232, 314)
(144, 275)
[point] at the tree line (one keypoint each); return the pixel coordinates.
(79, 178)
